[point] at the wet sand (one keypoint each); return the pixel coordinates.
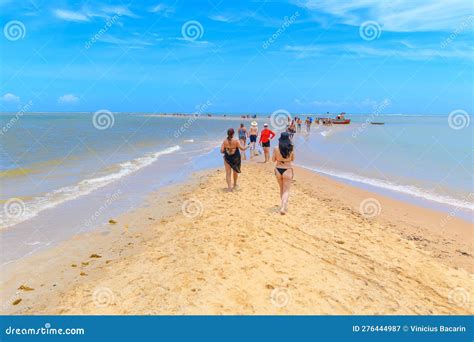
(196, 249)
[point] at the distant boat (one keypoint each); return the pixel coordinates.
(377, 123)
(341, 120)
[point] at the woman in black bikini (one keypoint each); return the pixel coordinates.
(283, 155)
(231, 150)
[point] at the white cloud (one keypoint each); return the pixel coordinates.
(163, 9)
(86, 13)
(327, 103)
(9, 97)
(225, 18)
(396, 15)
(120, 10)
(68, 99)
(129, 42)
(197, 42)
(70, 15)
(244, 16)
(402, 50)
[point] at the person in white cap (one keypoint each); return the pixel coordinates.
(253, 133)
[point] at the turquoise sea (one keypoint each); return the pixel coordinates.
(58, 168)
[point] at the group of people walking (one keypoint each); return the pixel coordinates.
(295, 124)
(252, 134)
(282, 156)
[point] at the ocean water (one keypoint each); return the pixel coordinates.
(418, 156)
(66, 173)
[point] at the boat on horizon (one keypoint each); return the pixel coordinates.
(341, 120)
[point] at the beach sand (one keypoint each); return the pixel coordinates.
(196, 249)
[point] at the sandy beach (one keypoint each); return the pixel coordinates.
(196, 249)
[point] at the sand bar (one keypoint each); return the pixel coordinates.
(232, 253)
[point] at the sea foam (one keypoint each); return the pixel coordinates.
(84, 187)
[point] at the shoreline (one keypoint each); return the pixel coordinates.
(133, 248)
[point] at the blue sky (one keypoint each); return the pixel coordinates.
(239, 56)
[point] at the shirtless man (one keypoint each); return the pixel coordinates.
(253, 133)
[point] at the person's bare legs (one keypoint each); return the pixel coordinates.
(286, 180)
(236, 175)
(280, 182)
(266, 150)
(228, 176)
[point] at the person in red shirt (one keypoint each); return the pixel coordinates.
(265, 136)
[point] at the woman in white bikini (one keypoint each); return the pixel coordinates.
(283, 155)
